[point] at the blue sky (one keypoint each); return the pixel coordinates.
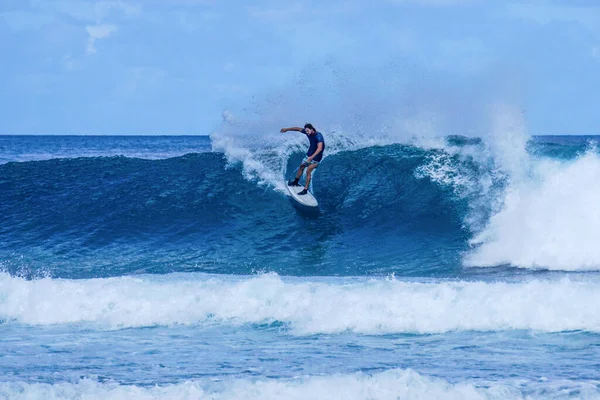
(174, 67)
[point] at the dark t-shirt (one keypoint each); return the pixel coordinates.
(314, 139)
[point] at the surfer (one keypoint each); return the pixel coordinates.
(314, 155)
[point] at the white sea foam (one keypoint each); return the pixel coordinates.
(549, 221)
(547, 217)
(387, 385)
(369, 307)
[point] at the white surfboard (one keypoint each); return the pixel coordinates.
(307, 199)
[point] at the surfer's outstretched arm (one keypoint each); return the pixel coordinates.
(294, 128)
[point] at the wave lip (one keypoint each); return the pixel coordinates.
(373, 307)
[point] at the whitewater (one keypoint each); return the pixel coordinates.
(437, 267)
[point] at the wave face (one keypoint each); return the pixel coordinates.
(421, 209)
(385, 216)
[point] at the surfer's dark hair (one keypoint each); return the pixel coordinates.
(309, 126)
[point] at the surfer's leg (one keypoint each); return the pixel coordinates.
(300, 171)
(309, 171)
(298, 175)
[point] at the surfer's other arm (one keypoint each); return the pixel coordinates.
(294, 128)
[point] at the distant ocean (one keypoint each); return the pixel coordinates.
(177, 267)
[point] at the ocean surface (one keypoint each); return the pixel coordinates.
(177, 267)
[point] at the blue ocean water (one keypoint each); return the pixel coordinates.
(177, 267)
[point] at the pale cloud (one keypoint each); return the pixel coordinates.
(39, 83)
(89, 11)
(94, 15)
(461, 46)
(295, 11)
(140, 80)
(230, 89)
(21, 20)
(186, 21)
(587, 17)
(69, 63)
(276, 14)
(469, 54)
(192, 22)
(131, 10)
(435, 2)
(98, 32)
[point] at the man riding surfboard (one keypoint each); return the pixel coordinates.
(314, 155)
